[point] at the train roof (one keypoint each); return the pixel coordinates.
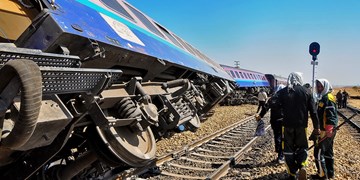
(239, 69)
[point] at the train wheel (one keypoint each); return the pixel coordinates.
(135, 148)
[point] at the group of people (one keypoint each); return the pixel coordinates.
(290, 107)
(341, 99)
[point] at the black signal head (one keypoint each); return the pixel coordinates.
(314, 49)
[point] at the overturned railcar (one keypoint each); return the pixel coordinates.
(87, 86)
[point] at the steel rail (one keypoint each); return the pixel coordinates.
(223, 167)
(356, 112)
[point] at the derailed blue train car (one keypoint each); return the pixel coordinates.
(246, 85)
(92, 83)
(246, 78)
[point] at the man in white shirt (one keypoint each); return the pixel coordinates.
(262, 97)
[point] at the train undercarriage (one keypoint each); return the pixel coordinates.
(244, 95)
(62, 121)
(73, 107)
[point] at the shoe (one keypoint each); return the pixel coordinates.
(302, 174)
(281, 160)
(316, 176)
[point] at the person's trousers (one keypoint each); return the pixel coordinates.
(344, 105)
(276, 125)
(324, 156)
(261, 105)
(295, 146)
(340, 103)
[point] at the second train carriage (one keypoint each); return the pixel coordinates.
(247, 84)
(104, 80)
(246, 78)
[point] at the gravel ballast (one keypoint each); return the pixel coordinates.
(260, 162)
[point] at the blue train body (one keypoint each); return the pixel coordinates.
(91, 19)
(246, 78)
(107, 79)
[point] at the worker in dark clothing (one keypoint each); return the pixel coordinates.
(345, 98)
(339, 99)
(296, 102)
(327, 112)
(276, 118)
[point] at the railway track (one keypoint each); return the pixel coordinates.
(352, 116)
(208, 158)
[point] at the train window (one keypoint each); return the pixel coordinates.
(167, 34)
(145, 21)
(203, 56)
(237, 74)
(115, 6)
(241, 74)
(227, 71)
(232, 74)
(184, 44)
(197, 53)
(193, 49)
(246, 76)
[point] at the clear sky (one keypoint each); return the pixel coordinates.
(270, 36)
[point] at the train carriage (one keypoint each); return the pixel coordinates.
(246, 78)
(247, 84)
(91, 83)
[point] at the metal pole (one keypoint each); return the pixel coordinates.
(314, 63)
(313, 77)
(237, 64)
